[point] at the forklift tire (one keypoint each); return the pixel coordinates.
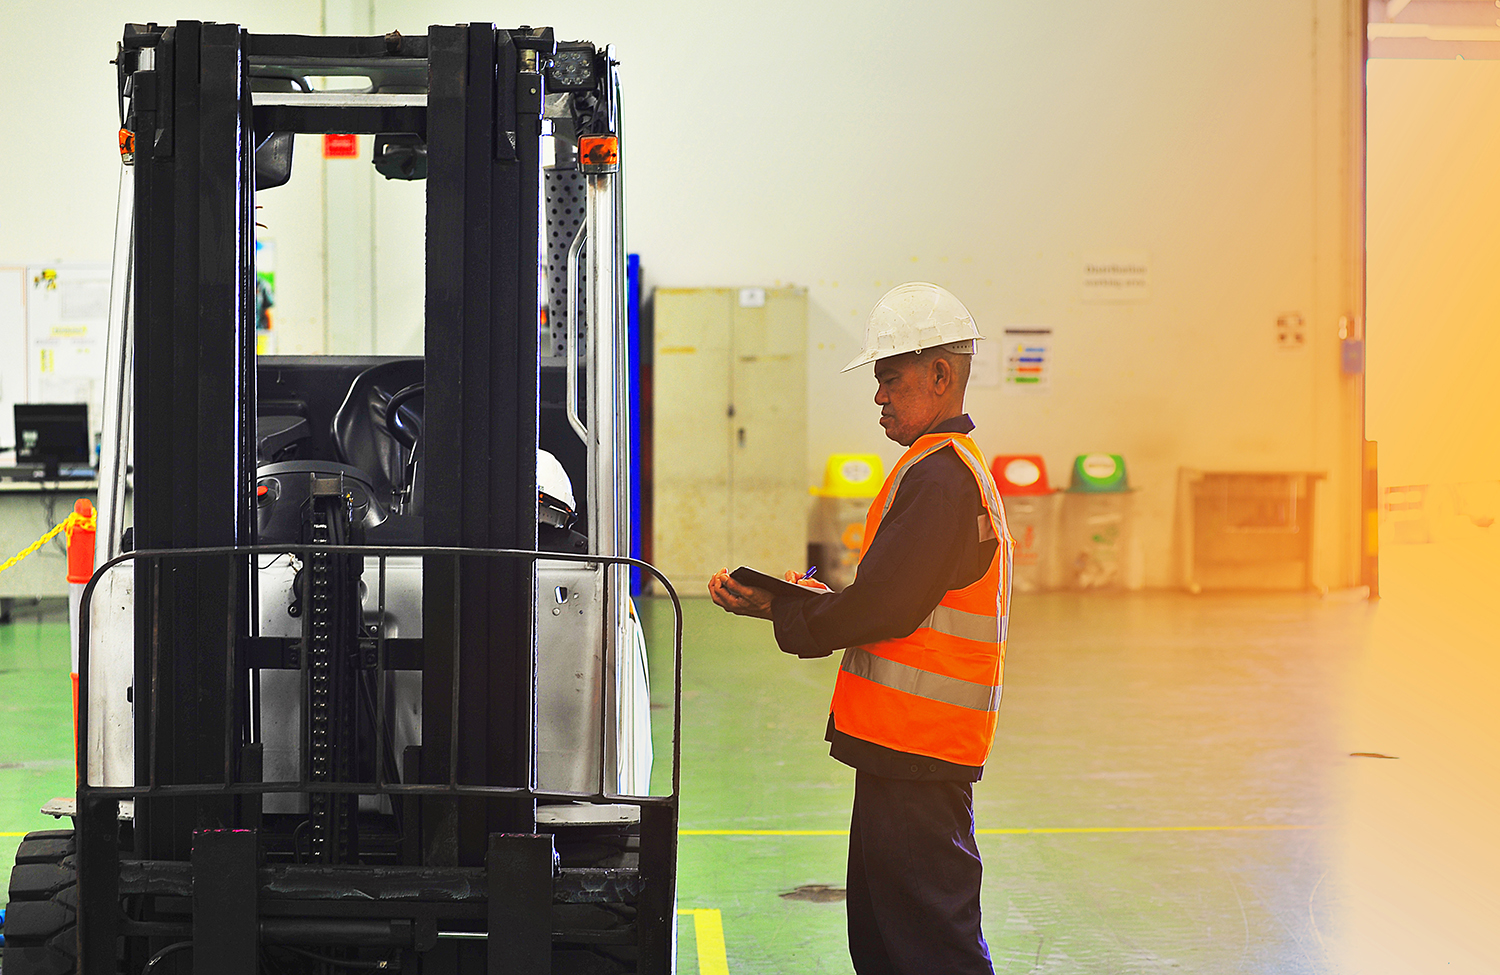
(41, 920)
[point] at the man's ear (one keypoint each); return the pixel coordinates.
(942, 375)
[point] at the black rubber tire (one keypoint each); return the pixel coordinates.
(46, 846)
(41, 920)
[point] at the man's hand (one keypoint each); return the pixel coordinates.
(743, 600)
(806, 583)
(738, 598)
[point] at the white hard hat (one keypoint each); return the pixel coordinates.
(555, 506)
(914, 316)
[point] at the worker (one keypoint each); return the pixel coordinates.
(923, 629)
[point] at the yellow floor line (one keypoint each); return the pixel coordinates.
(1007, 832)
(1142, 829)
(12, 834)
(763, 832)
(708, 931)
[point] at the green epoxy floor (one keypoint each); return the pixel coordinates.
(1185, 762)
(36, 722)
(1120, 712)
(1196, 749)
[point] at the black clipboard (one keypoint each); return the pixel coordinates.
(776, 587)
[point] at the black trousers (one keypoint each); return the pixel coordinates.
(913, 883)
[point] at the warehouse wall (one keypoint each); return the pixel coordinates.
(991, 148)
(846, 147)
(60, 170)
(1433, 253)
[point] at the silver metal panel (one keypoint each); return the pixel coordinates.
(569, 675)
(570, 671)
(587, 813)
(278, 692)
(340, 99)
(111, 730)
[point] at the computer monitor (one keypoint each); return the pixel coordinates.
(52, 434)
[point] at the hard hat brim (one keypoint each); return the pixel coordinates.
(870, 355)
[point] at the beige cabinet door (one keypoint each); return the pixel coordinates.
(730, 432)
(690, 403)
(768, 497)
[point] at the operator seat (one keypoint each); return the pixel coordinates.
(362, 438)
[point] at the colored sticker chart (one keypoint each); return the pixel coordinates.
(1028, 359)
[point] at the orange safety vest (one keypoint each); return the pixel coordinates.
(935, 692)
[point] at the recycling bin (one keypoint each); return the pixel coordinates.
(1032, 513)
(1096, 524)
(836, 529)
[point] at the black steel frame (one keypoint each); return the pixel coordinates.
(482, 366)
(239, 902)
(196, 131)
(451, 783)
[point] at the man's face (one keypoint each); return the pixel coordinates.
(907, 395)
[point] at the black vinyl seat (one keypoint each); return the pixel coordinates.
(363, 437)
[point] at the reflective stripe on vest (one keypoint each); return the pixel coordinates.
(955, 622)
(993, 504)
(969, 626)
(920, 683)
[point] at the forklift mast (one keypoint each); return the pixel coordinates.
(434, 858)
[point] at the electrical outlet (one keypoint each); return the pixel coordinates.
(1291, 333)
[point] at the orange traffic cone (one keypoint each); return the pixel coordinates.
(80, 529)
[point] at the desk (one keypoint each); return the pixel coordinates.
(27, 511)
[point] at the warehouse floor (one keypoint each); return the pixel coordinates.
(1172, 787)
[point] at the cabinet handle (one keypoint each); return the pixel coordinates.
(742, 436)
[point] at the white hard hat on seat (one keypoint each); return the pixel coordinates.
(915, 316)
(555, 504)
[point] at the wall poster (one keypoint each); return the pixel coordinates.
(67, 317)
(1028, 359)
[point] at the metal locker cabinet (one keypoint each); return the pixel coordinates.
(730, 431)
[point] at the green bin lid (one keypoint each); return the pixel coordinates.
(1099, 473)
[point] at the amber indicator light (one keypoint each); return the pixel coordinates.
(599, 150)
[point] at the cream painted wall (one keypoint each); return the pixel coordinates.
(60, 178)
(988, 147)
(1434, 247)
(849, 146)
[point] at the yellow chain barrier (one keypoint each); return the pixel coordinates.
(73, 521)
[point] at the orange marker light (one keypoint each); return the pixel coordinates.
(599, 153)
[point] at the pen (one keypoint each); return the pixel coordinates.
(809, 573)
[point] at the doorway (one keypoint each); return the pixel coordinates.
(1433, 295)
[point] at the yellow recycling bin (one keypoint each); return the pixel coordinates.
(837, 527)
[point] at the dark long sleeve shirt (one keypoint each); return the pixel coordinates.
(927, 544)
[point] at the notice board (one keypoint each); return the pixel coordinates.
(53, 324)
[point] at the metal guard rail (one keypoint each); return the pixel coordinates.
(230, 786)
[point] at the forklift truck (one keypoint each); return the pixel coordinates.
(361, 686)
